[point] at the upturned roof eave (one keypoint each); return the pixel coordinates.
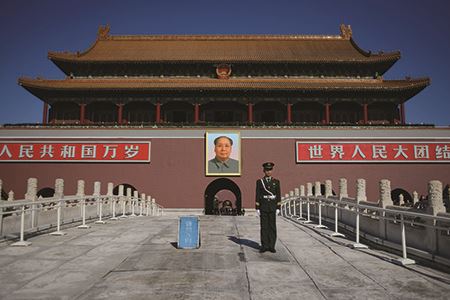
(59, 57)
(206, 84)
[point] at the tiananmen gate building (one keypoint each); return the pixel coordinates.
(144, 111)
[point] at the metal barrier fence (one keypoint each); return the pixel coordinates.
(430, 229)
(19, 217)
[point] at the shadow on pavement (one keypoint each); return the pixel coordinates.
(244, 242)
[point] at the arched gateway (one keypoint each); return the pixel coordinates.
(213, 205)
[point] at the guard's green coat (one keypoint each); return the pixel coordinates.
(267, 208)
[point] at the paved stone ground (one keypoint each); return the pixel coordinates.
(137, 258)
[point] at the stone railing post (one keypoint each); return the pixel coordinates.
(154, 208)
(133, 203)
(128, 198)
(302, 190)
(361, 190)
(435, 206)
(59, 195)
(80, 193)
(97, 188)
(96, 194)
(384, 201)
(435, 200)
(141, 204)
(80, 188)
(31, 195)
(110, 189)
(309, 189)
(59, 188)
(360, 196)
(343, 188)
(148, 205)
(122, 200)
(109, 194)
(328, 188)
(317, 191)
(385, 194)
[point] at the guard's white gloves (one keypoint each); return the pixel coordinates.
(278, 212)
(258, 213)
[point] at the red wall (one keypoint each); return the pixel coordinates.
(176, 174)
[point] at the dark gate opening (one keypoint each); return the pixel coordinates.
(216, 206)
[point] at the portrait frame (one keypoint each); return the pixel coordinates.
(235, 155)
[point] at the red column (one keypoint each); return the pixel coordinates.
(45, 114)
(158, 112)
(327, 113)
(250, 113)
(402, 114)
(120, 113)
(196, 113)
(289, 113)
(366, 113)
(82, 112)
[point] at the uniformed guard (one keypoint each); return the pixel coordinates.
(268, 201)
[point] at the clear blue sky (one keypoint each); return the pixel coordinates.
(419, 29)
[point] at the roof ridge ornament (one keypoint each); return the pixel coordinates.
(346, 31)
(103, 32)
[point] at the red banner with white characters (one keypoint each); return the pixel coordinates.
(373, 152)
(79, 151)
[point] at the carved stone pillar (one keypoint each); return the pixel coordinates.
(435, 206)
(317, 191)
(309, 189)
(384, 201)
(328, 188)
(31, 195)
(80, 188)
(110, 189)
(97, 187)
(343, 188)
(435, 200)
(59, 188)
(385, 193)
(302, 190)
(361, 190)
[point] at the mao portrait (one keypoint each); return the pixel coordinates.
(223, 154)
